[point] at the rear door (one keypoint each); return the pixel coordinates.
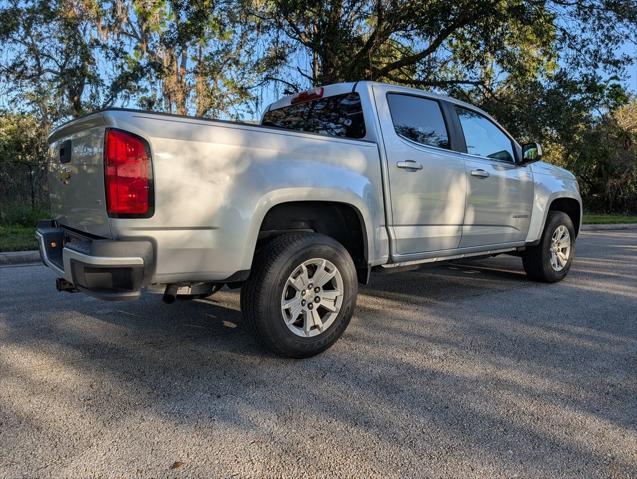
(499, 192)
(427, 181)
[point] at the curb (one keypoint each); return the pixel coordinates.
(19, 257)
(624, 226)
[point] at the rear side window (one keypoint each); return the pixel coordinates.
(483, 137)
(339, 115)
(418, 119)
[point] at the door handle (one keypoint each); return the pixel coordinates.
(480, 173)
(409, 164)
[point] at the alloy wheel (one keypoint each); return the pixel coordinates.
(560, 248)
(312, 297)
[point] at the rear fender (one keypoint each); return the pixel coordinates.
(375, 238)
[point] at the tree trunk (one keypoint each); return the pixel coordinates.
(32, 185)
(316, 67)
(181, 83)
(200, 85)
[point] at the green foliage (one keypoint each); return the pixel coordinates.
(442, 44)
(590, 219)
(17, 226)
(606, 161)
(21, 138)
(548, 70)
(22, 215)
(183, 57)
(49, 57)
(17, 238)
(22, 160)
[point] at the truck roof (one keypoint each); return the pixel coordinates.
(345, 87)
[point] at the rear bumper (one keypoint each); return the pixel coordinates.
(107, 269)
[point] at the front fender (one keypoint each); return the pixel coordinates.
(547, 189)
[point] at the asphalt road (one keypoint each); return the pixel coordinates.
(459, 370)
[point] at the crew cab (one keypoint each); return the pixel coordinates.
(333, 184)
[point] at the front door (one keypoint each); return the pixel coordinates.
(499, 192)
(427, 180)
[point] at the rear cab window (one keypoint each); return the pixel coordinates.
(339, 115)
(418, 119)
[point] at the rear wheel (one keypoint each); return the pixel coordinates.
(301, 294)
(550, 260)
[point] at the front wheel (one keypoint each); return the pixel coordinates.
(301, 294)
(550, 260)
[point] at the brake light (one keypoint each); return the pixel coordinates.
(308, 95)
(127, 174)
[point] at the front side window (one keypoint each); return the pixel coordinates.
(418, 119)
(483, 137)
(339, 115)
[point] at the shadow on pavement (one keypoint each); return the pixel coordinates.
(466, 368)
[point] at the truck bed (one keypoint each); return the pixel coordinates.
(213, 181)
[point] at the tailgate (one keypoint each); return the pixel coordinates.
(76, 175)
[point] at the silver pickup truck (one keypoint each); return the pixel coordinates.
(334, 183)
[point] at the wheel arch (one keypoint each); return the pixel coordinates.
(566, 201)
(571, 207)
(341, 220)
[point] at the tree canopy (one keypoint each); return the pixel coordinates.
(550, 70)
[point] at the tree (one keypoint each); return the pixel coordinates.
(549, 70)
(22, 159)
(435, 43)
(606, 161)
(49, 57)
(195, 57)
(67, 57)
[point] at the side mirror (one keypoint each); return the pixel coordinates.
(531, 152)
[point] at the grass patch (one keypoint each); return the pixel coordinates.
(19, 215)
(590, 219)
(17, 238)
(17, 227)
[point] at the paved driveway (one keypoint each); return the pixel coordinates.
(463, 370)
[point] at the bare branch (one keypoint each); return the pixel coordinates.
(444, 34)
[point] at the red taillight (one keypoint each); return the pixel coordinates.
(128, 174)
(313, 94)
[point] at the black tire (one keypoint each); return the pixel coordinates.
(537, 259)
(262, 292)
